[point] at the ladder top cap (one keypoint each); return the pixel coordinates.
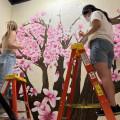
(15, 76)
(78, 46)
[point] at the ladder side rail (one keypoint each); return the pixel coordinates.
(98, 88)
(65, 88)
(73, 85)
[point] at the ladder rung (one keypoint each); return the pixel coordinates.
(84, 106)
(64, 118)
(21, 111)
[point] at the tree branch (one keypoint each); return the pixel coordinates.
(115, 20)
(61, 24)
(23, 56)
(74, 22)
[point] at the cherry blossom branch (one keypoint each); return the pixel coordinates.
(59, 15)
(23, 56)
(117, 17)
(115, 20)
(41, 21)
(65, 44)
(74, 22)
(45, 38)
(35, 39)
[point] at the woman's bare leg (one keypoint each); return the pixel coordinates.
(105, 75)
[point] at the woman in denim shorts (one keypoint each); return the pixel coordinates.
(100, 41)
(9, 46)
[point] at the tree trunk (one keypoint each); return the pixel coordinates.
(60, 69)
(44, 73)
(45, 78)
(60, 81)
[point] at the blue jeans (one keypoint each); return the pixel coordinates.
(7, 62)
(101, 51)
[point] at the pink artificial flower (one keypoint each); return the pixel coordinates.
(44, 111)
(47, 114)
(51, 96)
(39, 106)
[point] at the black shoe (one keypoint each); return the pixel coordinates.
(100, 112)
(115, 109)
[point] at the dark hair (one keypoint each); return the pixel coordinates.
(91, 8)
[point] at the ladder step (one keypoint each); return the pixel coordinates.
(15, 76)
(64, 118)
(20, 111)
(84, 106)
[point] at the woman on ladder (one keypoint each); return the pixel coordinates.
(100, 42)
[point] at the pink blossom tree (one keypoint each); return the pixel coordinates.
(44, 44)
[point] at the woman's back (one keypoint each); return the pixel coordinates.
(7, 40)
(105, 31)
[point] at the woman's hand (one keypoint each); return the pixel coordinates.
(81, 34)
(84, 37)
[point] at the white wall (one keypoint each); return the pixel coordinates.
(23, 11)
(5, 15)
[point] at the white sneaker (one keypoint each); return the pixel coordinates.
(4, 115)
(22, 118)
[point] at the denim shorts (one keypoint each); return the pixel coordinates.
(101, 50)
(7, 62)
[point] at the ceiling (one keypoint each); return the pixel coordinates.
(17, 1)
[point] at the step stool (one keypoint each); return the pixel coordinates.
(16, 81)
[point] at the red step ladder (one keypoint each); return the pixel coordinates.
(78, 53)
(16, 81)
